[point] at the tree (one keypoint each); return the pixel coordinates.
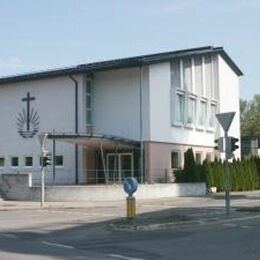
(250, 116)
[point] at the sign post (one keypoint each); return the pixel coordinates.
(225, 120)
(130, 186)
(42, 139)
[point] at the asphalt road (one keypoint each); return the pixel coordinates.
(83, 233)
(226, 240)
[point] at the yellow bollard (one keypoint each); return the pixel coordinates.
(130, 207)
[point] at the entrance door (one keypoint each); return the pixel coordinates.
(120, 166)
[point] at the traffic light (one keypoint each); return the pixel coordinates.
(219, 144)
(233, 145)
(46, 159)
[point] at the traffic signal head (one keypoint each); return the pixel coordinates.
(46, 159)
(233, 143)
(219, 144)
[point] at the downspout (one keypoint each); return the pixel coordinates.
(141, 128)
(76, 130)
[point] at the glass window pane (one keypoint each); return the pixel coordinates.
(88, 101)
(215, 77)
(198, 157)
(187, 82)
(174, 160)
(89, 117)
(59, 160)
(212, 119)
(191, 111)
(88, 88)
(2, 162)
(203, 113)
(14, 161)
(198, 75)
(179, 108)
(175, 73)
(28, 161)
(208, 76)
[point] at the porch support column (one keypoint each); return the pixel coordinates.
(103, 162)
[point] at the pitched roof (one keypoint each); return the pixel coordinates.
(122, 63)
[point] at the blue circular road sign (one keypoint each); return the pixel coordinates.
(130, 185)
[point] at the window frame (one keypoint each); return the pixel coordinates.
(178, 152)
(27, 156)
(55, 158)
(88, 107)
(11, 162)
(4, 159)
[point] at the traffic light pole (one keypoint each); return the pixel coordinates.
(227, 179)
(42, 185)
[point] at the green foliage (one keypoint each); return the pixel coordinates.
(250, 116)
(191, 172)
(244, 175)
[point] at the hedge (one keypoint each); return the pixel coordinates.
(244, 175)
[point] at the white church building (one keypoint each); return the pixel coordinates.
(126, 117)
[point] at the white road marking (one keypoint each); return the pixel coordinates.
(230, 224)
(57, 245)
(8, 235)
(124, 257)
(244, 226)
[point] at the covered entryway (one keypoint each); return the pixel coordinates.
(106, 159)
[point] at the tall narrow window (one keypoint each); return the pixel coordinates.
(208, 76)
(212, 118)
(175, 74)
(202, 113)
(191, 111)
(175, 160)
(88, 103)
(215, 77)
(198, 75)
(179, 109)
(187, 81)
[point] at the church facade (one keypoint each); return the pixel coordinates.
(127, 117)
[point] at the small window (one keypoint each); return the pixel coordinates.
(175, 160)
(198, 157)
(28, 161)
(14, 161)
(187, 81)
(209, 157)
(2, 162)
(59, 160)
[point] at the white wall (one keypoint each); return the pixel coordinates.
(56, 108)
(117, 103)
(229, 97)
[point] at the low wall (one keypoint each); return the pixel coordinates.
(18, 187)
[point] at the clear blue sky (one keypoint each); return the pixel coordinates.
(45, 34)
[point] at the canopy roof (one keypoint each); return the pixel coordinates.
(95, 140)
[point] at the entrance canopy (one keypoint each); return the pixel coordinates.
(94, 140)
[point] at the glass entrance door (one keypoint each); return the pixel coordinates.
(119, 166)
